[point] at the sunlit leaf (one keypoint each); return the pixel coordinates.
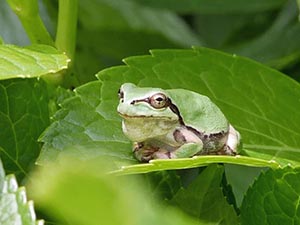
(254, 98)
(23, 116)
(273, 199)
(32, 61)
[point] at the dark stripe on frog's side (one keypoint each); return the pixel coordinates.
(208, 140)
(175, 110)
(201, 135)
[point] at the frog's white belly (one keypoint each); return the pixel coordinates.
(138, 129)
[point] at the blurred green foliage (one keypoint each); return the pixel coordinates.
(84, 143)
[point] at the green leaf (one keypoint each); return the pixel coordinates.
(103, 22)
(221, 31)
(273, 199)
(214, 6)
(78, 129)
(256, 99)
(163, 184)
(240, 178)
(23, 116)
(100, 199)
(14, 207)
(204, 199)
(268, 47)
(33, 61)
(118, 17)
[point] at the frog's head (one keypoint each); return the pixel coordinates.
(154, 103)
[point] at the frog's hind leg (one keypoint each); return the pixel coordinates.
(232, 142)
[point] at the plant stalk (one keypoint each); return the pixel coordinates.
(28, 13)
(67, 27)
(66, 36)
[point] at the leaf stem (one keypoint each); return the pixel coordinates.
(298, 3)
(28, 13)
(67, 27)
(66, 36)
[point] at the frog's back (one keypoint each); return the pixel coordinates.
(198, 111)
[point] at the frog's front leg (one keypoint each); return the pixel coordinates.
(188, 145)
(185, 144)
(185, 151)
(144, 152)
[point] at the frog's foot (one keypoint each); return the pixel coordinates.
(143, 152)
(232, 142)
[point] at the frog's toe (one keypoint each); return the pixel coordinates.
(143, 156)
(144, 153)
(227, 151)
(232, 142)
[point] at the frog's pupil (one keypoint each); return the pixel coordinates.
(121, 94)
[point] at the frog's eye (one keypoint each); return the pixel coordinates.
(121, 95)
(158, 101)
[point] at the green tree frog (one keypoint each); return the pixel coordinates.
(174, 123)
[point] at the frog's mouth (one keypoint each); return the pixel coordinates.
(125, 116)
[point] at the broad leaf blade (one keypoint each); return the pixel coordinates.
(268, 47)
(214, 6)
(240, 178)
(120, 18)
(23, 116)
(254, 98)
(204, 199)
(33, 61)
(273, 199)
(163, 184)
(79, 130)
(103, 22)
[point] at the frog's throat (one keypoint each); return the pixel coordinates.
(125, 116)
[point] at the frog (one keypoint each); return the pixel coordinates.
(174, 123)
